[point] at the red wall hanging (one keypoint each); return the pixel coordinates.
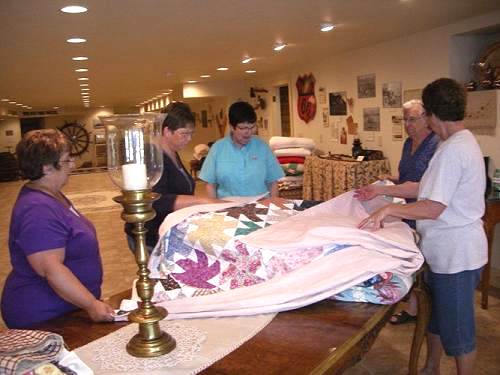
(306, 102)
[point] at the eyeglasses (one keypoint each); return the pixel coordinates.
(185, 133)
(245, 128)
(70, 160)
(413, 119)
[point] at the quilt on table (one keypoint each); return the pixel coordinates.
(208, 253)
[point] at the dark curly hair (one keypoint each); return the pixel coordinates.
(179, 115)
(39, 148)
(446, 99)
(240, 112)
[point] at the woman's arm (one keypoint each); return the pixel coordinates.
(273, 189)
(424, 209)
(405, 190)
(49, 265)
(211, 190)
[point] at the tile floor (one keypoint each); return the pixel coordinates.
(389, 355)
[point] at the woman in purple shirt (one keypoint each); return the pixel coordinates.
(56, 265)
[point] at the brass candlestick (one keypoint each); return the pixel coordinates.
(151, 341)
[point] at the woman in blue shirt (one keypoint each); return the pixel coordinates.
(241, 164)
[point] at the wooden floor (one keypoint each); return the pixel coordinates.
(389, 354)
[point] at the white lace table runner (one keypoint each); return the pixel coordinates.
(200, 343)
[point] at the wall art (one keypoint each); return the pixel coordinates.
(366, 86)
(306, 101)
(371, 119)
(338, 103)
(391, 95)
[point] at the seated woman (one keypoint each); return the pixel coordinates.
(56, 265)
(176, 185)
(241, 164)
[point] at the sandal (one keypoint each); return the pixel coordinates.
(402, 317)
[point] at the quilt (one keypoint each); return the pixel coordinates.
(231, 261)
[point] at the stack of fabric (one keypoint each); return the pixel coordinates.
(291, 153)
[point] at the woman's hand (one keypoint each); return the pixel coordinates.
(376, 219)
(366, 193)
(100, 311)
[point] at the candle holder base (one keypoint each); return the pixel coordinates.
(138, 346)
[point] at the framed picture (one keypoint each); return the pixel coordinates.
(338, 103)
(204, 119)
(371, 119)
(366, 86)
(391, 95)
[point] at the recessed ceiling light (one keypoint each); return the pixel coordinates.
(76, 40)
(4, 100)
(250, 71)
(325, 27)
(205, 76)
(164, 93)
(19, 104)
(12, 102)
(84, 84)
(222, 68)
(191, 81)
(74, 9)
(55, 107)
(81, 70)
(246, 60)
(279, 46)
(79, 58)
(83, 79)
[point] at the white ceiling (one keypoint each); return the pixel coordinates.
(137, 49)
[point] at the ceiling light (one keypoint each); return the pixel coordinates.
(84, 84)
(246, 60)
(222, 68)
(205, 76)
(19, 104)
(74, 9)
(250, 71)
(83, 79)
(76, 40)
(4, 100)
(85, 89)
(191, 81)
(12, 102)
(55, 107)
(325, 27)
(79, 58)
(164, 93)
(81, 70)
(279, 46)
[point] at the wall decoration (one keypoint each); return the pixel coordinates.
(352, 127)
(204, 119)
(338, 103)
(343, 136)
(366, 86)
(335, 130)
(481, 115)
(371, 119)
(397, 128)
(412, 94)
(391, 95)
(96, 124)
(326, 117)
(306, 102)
(322, 95)
(9, 133)
(266, 123)
(221, 120)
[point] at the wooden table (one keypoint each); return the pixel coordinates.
(326, 337)
(325, 178)
(491, 219)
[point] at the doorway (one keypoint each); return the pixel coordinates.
(31, 123)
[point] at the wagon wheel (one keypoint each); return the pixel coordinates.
(78, 138)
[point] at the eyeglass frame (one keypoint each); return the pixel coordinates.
(412, 120)
(246, 128)
(185, 134)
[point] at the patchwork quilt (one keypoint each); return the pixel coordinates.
(206, 253)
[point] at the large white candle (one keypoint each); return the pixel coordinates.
(134, 177)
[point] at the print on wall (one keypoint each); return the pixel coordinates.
(306, 102)
(366, 86)
(338, 103)
(371, 119)
(391, 95)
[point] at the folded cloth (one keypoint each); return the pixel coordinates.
(291, 159)
(293, 169)
(24, 350)
(295, 151)
(290, 182)
(277, 143)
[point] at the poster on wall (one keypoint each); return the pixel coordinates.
(391, 95)
(397, 128)
(335, 130)
(343, 136)
(366, 86)
(306, 100)
(322, 95)
(352, 127)
(204, 119)
(338, 103)
(412, 94)
(326, 117)
(371, 119)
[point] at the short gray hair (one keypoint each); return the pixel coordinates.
(410, 103)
